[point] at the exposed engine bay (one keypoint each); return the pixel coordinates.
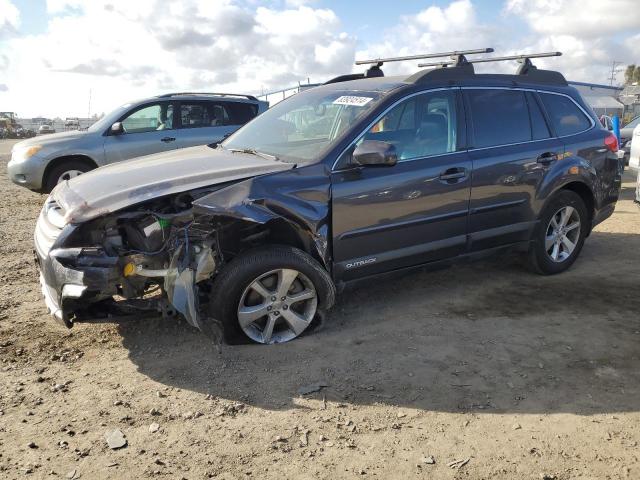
(156, 252)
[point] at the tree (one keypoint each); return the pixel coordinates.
(636, 75)
(628, 74)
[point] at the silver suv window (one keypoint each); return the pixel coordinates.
(149, 119)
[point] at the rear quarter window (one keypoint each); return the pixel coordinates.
(241, 112)
(499, 117)
(566, 117)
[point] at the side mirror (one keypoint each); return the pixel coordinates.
(375, 152)
(117, 128)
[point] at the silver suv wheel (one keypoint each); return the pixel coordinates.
(277, 306)
(563, 233)
(68, 175)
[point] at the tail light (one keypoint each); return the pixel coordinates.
(611, 142)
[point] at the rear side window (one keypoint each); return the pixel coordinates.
(499, 117)
(539, 128)
(240, 112)
(203, 114)
(566, 117)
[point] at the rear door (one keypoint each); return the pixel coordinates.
(148, 129)
(511, 149)
(574, 127)
(415, 211)
(205, 122)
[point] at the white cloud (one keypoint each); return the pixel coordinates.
(9, 18)
(434, 29)
(589, 33)
(579, 18)
(126, 49)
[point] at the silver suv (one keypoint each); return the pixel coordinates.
(158, 124)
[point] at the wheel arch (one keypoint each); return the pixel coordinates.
(587, 196)
(65, 158)
(278, 231)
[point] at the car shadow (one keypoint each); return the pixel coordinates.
(485, 337)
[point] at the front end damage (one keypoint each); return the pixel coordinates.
(164, 254)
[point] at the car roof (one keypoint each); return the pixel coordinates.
(236, 97)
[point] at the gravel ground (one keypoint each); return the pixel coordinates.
(509, 374)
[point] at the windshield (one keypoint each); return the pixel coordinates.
(303, 127)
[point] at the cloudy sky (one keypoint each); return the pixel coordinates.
(54, 52)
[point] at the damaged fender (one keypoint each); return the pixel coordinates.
(300, 196)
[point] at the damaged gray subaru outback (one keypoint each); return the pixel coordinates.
(359, 177)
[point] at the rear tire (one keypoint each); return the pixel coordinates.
(560, 234)
(65, 170)
(247, 286)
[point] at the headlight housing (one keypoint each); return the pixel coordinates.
(20, 154)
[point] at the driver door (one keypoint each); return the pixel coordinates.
(390, 217)
(148, 129)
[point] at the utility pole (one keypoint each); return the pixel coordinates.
(614, 71)
(89, 106)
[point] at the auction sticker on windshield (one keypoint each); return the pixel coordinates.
(352, 100)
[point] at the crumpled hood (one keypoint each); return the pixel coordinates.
(120, 185)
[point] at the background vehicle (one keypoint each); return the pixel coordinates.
(362, 176)
(45, 129)
(626, 135)
(72, 123)
(153, 125)
(634, 158)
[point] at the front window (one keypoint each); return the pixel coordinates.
(149, 119)
(303, 127)
(421, 126)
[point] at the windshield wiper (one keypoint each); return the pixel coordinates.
(253, 151)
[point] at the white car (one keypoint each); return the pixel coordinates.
(44, 129)
(634, 157)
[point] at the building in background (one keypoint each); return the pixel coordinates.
(630, 97)
(602, 98)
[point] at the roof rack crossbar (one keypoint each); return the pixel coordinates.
(175, 94)
(522, 58)
(455, 53)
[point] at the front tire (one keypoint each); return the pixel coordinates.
(65, 170)
(560, 234)
(270, 295)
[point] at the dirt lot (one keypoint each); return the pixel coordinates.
(523, 376)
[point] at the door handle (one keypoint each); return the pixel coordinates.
(167, 139)
(452, 174)
(547, 157)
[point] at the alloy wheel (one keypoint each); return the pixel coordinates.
(277, 306)
(68, 175)
(562, 234)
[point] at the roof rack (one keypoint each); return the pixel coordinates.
(375, 70)
(457, 69)
(525, 59)
(176, 94)
(455, 53)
